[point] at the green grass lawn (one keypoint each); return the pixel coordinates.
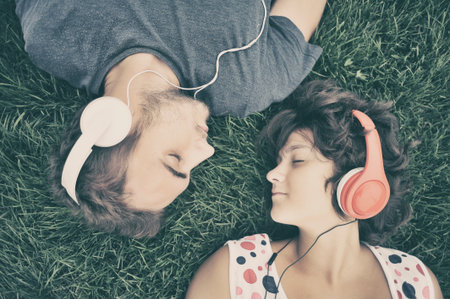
(383, 50)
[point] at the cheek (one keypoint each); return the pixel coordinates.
(166, 195)
(305, 184)
(173, 188)
(308, 187)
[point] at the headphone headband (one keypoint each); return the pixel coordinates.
(74, 162)
(374, 155)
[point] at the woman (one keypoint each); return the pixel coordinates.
(320, 144)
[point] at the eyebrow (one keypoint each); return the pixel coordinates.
(293, 148)
(174, 172)
(296, 147)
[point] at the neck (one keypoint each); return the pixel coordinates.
(119, 76)
(333, 253)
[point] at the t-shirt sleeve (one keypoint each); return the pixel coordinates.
(289, 56)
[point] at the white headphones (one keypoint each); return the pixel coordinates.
(106, 121)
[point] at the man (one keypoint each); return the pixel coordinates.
(141, 52)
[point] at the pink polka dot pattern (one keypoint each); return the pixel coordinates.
(426, 292)
(419, 268)
(256, 295)
(250, 276)
(250, 279)
(248, 267)
(406, 272)
(248, 245)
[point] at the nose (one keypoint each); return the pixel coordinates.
(208, 151)
(199, 153)
(275, 175)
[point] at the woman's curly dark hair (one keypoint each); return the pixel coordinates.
(326, 110)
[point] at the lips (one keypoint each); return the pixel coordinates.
(204, 128)
(278, 194)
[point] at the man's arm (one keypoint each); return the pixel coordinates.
(305, 14)
(211, 279)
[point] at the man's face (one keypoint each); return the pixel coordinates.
(159, 168)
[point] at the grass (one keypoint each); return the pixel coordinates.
(383, 50)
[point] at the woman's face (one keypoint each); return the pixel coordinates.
(298, 182)
(159, 168)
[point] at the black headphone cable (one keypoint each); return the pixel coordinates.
(273, 257)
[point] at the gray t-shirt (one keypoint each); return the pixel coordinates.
(80, 41)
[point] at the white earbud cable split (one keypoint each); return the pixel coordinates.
(201, 87)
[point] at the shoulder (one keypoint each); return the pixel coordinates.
(248, 253)
(437, 288)
(407, 271)
(211, 279)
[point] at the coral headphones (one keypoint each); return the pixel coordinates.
(364, 192)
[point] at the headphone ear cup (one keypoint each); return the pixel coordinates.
(344, 182)
(107, 120)
(362, 195)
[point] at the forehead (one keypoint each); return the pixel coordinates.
(302, 141)
(299, 139)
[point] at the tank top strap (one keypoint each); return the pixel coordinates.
(406, 274)
(248, 266)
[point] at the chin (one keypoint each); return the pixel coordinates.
(277, 216)
(285, 216)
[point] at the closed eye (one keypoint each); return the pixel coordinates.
(298, 161)
(176, 156)
(172, 170)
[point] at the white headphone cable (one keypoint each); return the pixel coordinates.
(201, 87)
